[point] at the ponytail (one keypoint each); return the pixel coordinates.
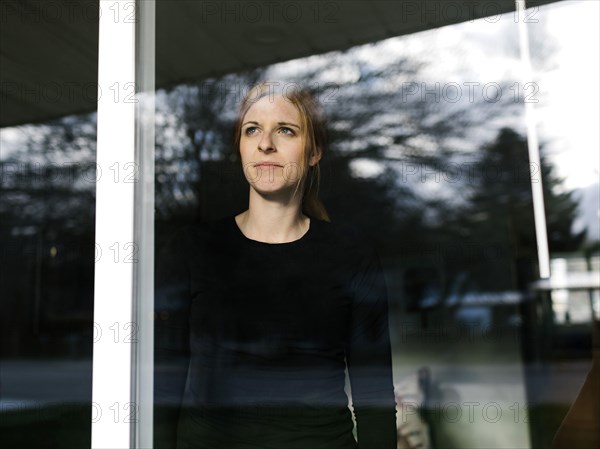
(311, 204)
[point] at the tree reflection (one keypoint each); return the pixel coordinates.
(47, 239)
(416, 172)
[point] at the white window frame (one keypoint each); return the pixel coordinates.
(122, 390)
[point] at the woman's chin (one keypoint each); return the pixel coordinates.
(273, 189)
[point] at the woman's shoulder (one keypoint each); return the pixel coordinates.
(345, 235)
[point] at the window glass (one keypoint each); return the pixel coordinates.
(564, 47)
(48, 86)
(428, 157)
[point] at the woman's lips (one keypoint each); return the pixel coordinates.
(268, 164)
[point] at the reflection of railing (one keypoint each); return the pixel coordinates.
(559, 286)
(556, 292)
(573, 281)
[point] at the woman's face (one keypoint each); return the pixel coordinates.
(272, 145)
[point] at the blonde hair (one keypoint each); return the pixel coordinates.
(314, 130)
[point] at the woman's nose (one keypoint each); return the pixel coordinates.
(266, 143)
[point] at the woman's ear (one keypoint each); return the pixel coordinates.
(315, 157)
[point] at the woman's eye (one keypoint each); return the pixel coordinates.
(250, 130)
(288, 131)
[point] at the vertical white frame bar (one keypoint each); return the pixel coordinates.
(535, 167)
(114, 412)
(143, 376)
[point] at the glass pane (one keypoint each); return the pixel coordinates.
(566, 68)
(428, 162)
(48, 70)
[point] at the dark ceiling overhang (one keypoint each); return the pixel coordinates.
(49, 50)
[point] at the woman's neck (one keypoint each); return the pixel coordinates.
(273, 222)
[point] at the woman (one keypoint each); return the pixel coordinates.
(279, 301)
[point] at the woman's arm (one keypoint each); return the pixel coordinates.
(368, 355)
(171, 335)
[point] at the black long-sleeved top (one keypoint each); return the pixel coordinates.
(264, 332)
